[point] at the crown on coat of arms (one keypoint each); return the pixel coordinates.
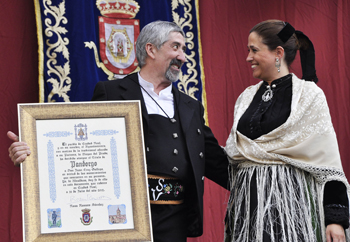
(118, 8)
(86, 210)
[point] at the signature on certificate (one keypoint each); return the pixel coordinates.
(87, 198)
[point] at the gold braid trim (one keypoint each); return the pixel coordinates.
(150, 176)
(201, 65)
(171, 202)
(40, 50)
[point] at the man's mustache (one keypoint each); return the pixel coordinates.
(176, 62)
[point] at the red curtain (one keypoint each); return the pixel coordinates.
(19, 84)
(224, 32)
(225, 26)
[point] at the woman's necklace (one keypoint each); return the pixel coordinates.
(268, 94)
(171, 119)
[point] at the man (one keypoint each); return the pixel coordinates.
(180, 149)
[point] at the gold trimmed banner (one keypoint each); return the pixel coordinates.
(73, 55)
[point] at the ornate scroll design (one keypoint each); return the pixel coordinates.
(91, 45)
(59, 74)
(99, 64)
(187, 82)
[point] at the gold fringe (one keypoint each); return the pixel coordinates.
(204, 94)
(162, 202)
(40, 50)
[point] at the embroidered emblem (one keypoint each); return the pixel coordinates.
(118, 33)
(86, 218)
(118, 44)
(166, 189)
(54, 218)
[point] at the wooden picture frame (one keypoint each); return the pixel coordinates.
(30, 115)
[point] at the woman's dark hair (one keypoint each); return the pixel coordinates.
(268, 31)
(291, 41)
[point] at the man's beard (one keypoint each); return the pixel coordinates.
(173, 75)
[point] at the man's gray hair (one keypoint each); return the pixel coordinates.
(156, 33)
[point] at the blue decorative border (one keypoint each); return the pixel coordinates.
(57, 134)
(51, 168)
(104, 132)
(115, 167)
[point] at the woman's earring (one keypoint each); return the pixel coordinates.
(278, 64)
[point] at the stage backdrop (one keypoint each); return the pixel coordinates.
(222, 26)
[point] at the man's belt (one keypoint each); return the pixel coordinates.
(165, 190)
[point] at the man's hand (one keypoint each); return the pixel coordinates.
(18, 151)
(335, 233)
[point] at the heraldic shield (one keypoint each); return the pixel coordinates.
(118, 44)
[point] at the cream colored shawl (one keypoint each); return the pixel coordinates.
(306, 140)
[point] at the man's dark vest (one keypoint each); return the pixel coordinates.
(166, 151)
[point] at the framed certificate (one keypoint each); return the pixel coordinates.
(86, 178)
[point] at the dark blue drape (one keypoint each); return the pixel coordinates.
(68, 69)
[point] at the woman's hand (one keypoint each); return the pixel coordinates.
(335, 233)
(18, 151)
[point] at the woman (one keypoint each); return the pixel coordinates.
(283, 149)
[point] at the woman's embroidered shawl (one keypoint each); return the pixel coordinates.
(306, 140)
